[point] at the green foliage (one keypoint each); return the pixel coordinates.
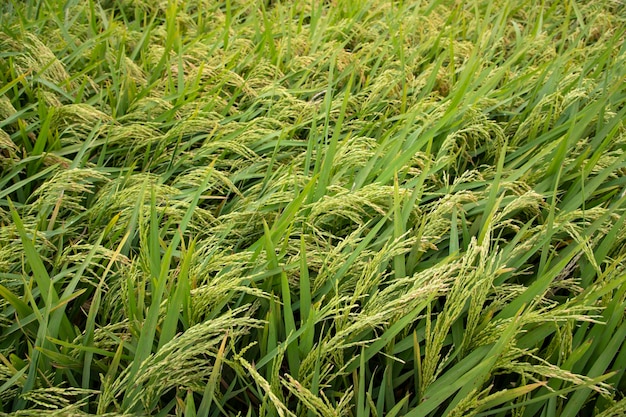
(308, 208)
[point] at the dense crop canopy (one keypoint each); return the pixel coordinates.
(308, 208)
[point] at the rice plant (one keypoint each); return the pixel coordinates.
(309, 208)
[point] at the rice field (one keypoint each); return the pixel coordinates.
(313, 208)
